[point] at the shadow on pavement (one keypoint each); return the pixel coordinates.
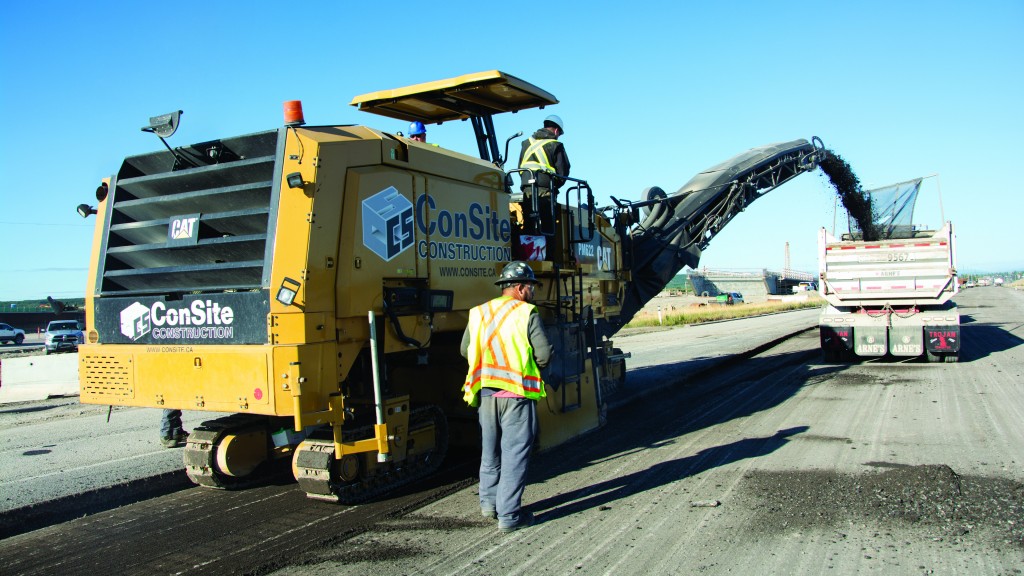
(980, 339)
(733, 390)
(659, 474)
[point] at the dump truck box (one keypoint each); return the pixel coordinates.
(890, 296)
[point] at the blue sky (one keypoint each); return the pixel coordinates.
(650, 95)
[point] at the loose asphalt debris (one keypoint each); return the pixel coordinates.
(953, 508)
(847, 186)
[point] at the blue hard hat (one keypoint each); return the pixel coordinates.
(556, 121)
(416, 128)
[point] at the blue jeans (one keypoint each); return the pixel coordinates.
(170, 423)
(508, 427)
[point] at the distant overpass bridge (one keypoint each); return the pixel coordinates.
(755, 286)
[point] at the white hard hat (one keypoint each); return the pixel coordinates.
(556, 121)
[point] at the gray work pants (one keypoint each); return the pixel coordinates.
(170, 423)
(508, 427)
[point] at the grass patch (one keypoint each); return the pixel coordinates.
(713, 312)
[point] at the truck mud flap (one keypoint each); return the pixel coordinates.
(836, 339)
(942, 339)
(871, 341)
(906, 341)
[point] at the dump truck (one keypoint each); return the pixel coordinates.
(314, 283)
(891, 297)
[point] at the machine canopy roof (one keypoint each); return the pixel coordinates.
(471, 95)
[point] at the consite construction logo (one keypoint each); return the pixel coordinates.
(473, 232)
(200, 319)
(387, 223)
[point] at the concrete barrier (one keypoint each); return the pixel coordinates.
(39, 377)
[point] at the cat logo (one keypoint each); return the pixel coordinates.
(183, 230)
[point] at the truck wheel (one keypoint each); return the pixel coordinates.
(18, 339)
(952, 357)
(934, 357)
(841, 356)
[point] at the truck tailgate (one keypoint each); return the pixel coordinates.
(909, 271)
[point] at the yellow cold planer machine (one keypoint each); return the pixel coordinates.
(314, 283)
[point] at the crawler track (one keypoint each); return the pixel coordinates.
(201, 453)
(313, 466)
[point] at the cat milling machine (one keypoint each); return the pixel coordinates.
(314, 283)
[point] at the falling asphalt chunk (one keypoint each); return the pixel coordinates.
(847, 186)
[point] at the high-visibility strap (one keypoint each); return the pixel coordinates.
(490, 361)
(494, 318)
(529, 383)
(536, 149)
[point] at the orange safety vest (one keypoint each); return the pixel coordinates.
(499, 353)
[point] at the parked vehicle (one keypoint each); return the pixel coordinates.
(63, 336)
(729, 298)
(9, 334)
(805, 287)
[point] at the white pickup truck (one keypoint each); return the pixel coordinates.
(889, 296)
(9, 333)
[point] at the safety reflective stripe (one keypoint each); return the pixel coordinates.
(536, 148)
(494, 324)
(491, 361)
(494, 314)
(500, 367)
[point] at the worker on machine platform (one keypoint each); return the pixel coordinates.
(545, 156)
(418, 132)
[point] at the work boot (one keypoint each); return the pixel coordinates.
(491, 513)
(179, 438)
(525, 519)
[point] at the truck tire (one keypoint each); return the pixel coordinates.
(949, 358)
(19, 338)
(841, 356)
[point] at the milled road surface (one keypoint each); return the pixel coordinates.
(774, 465)
(57, 449)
